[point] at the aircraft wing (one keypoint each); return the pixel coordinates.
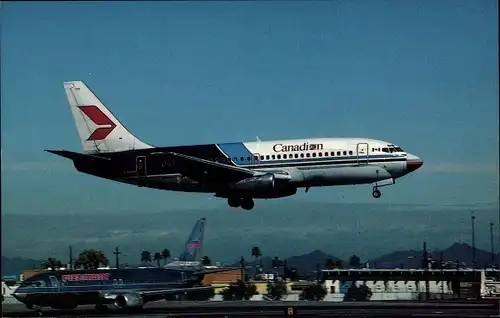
(174, 291)
(156, 294)
(208, 171)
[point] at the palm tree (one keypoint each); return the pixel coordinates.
(257, 254)
(165, 254)
(157, 258)
(52, 263)
(206, 261)
(355, 261)
(91, 259)
(333, 264)
(145, 257)
(276, 262)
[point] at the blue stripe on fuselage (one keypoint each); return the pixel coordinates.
(97, 288)
(237, 152)
(321, 160)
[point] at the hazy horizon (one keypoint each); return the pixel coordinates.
(284, 229)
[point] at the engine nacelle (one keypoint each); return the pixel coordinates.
(128, 301)
(266, 186)
(257, 184)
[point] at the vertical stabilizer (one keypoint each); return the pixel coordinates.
(194, 245)
(98, 129)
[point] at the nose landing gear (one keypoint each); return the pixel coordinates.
(376, 192)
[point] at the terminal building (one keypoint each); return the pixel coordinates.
(412, 284)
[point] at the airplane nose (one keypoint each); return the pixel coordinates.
(413, 163)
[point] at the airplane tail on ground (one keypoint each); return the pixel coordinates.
(194, 245)
(99, 130)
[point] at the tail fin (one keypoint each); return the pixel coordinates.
(194, 244)
(99, 130)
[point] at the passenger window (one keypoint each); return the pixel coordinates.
(267, 157)
(350, 152)
(338, 153)
(279, 156)
(261, 157)
(308, 155)
(241, 158)
(256, 158)
(273, 156)
(326, 154)
(284, 156)
(345, 153)
(248, 158)
(314, 154)
(296, 155)
(302, 155)
(320, 154)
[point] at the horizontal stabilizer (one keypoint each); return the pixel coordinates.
(75, 155)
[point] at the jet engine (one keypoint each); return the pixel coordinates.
(264, 187)
(128, 301)
(257, 183)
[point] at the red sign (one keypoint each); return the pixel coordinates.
(99, 276)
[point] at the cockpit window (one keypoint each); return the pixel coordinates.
(392, 148)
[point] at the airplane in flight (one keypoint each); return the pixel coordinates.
(237, 171)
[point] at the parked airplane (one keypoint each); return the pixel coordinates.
(193, 249)
(237, 171)
(125, 288)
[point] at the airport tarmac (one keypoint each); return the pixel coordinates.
(278, 308)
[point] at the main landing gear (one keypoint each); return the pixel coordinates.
(244, 203)
(376, 193)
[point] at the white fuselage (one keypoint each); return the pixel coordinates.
(306, 162)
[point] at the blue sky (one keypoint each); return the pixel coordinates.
(421, 74)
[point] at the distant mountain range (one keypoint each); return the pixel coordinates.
(460, 252)
(308, 263)
(14, 266)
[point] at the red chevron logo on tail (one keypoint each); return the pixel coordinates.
(100, 119)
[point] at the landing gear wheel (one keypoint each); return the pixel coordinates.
(234, 202)
(247, 204)
(376, 193)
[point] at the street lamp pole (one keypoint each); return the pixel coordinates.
(492, 246)
(473, 218)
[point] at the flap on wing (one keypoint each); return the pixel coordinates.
(208, 171)
(174, 290)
